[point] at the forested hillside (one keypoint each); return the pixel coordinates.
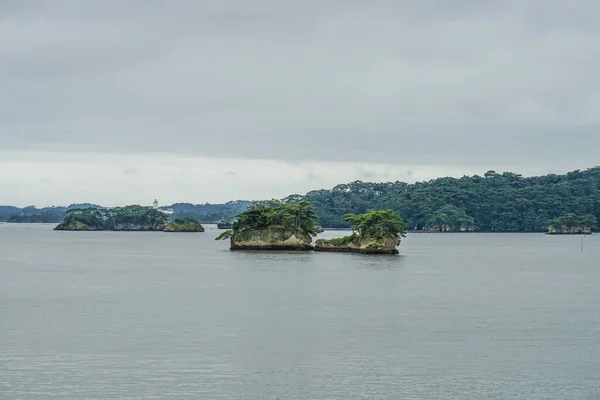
(210, 213)
(496, 202)
(32, 214)
(205, 213)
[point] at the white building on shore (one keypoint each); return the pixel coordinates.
(168, 211)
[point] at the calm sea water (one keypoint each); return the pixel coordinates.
(107, 315)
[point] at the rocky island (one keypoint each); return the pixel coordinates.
(273, 225)
(376, 232)
(224, 225)
(129, 218)
(572, 224)
(184, 225)
(82, 219)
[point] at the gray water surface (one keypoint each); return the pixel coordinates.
(123, 315)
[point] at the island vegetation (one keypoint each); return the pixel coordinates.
(31, 214)
(374, 232)
(129, 218)
(184, 225)
(273, 225)
(572, 224)
(208, 213)
(492, 202)
(203, 213)
(224, 225)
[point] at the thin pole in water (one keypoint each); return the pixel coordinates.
(582, 240)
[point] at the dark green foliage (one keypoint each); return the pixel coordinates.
(342, 241)
(8, 210)
(379, 224)
(186, 220)
(572, 223)
(495, 202)
(297, 217)
(119, 218)
(122, 218)
(90, 217)
(224, 225)
(210, 213)
(374, 232)
(184, 225)
(83, 205)
(225, 235)
(38, 215)
(450, 219)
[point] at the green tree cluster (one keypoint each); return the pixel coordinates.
(494, 202)
(374, 232)
(32, 214)
(184, 225)
(377, 224)
(210, 213)
(572, 223)
(275, 214)
(90, 217)
(450, 218)
(145, 217)
(132, 217)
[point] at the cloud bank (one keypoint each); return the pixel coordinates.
(440, 86)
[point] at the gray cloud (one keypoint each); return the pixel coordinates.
(458, 83)
(131, 171)
(366, 173)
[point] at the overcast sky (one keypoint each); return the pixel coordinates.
(119, 102)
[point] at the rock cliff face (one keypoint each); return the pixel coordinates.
(270, 239)
(76, 226)
(356, 244)
(80, 226)
(136, 227)
(569, 231)
(190, 226)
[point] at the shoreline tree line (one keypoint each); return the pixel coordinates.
(493, 202)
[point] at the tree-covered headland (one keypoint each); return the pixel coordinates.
(129, 218)
(494, 202)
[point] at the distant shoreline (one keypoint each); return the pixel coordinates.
(348, 229)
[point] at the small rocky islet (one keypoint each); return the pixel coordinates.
(184, 225)
(264, 225)
(275, 225)
(224, 224)
(375, 232)
(572, 224)
(129, 218)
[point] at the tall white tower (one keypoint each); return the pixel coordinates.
(155, 204)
